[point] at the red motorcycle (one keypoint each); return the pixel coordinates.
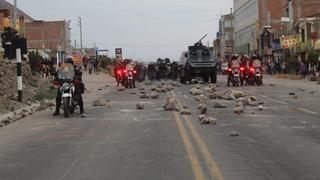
(254, 76)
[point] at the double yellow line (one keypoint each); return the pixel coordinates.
(211, 164)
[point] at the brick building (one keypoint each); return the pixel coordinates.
(250, 19)
(53, 35)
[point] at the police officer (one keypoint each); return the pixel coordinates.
(78, 89)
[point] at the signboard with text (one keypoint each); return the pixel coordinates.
(289, 41)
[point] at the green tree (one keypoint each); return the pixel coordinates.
(292, 64)
(313, 57)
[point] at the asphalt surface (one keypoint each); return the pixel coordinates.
(118, 141)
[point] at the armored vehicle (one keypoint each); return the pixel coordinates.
(198, 61)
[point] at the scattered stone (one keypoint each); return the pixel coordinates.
(234, 134)
(260, 108)
(229, 97)
(140, 106)
(144, 96)
(148, 83)
(121, 89)
(208, 120)
(5, 122)
(201, 117)
(29, 103)
(219, 105)
(239, 104)
(238, 110)
(300, 89)
(272, 85)
(185, 112)
(142, 92)
(107, 86)
(185, 107)
(238, 94)
(154, 95)
(141, 89)
(194, 91)
(171, 105)
(202, 108)
(99, 89)
(98, 103)
(292, 94)
(295, 97)
(168, 87)
(253, 101)
(212, 96)
(253, 98)
(133, 93)
(312, 92)
(153, 88)
(260, 102)
(197, 86)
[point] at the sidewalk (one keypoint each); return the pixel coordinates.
(304, 83)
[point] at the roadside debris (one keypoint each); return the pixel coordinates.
(219, 105)
(185, 112)
(234, 134)
(98, 103)
(144, 96)
(154, 95)
(202, 108)
(239, 110)
(207, 119)
(171, 105)
(140, 106)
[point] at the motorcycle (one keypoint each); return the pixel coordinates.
(120, 77)
(130, 79)
(243, 75)
(255, 76)
(234, 77)
(66, 84)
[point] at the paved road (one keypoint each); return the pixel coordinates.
(120, 142)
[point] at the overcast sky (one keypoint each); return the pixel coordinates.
(145, 29)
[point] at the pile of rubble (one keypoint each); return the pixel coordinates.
(8, 88)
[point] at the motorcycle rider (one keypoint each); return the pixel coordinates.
(78, 89)
(256, 63)
(233, 63)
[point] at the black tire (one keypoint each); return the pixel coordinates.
(258, 80)
(213, 76)
(205, 77)
(183, 80)
(66, 108)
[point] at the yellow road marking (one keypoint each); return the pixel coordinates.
(197, 170)
(211, 163)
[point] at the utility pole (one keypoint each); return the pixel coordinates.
(80, 25)
(14, 18)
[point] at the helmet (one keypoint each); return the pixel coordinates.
(69, 60)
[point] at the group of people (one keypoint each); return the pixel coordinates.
(245, 61)
(162, 70)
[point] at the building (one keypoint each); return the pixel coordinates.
(305, 23)
(52, 35)
(225, 36)
(251, 19)
(6, 14)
